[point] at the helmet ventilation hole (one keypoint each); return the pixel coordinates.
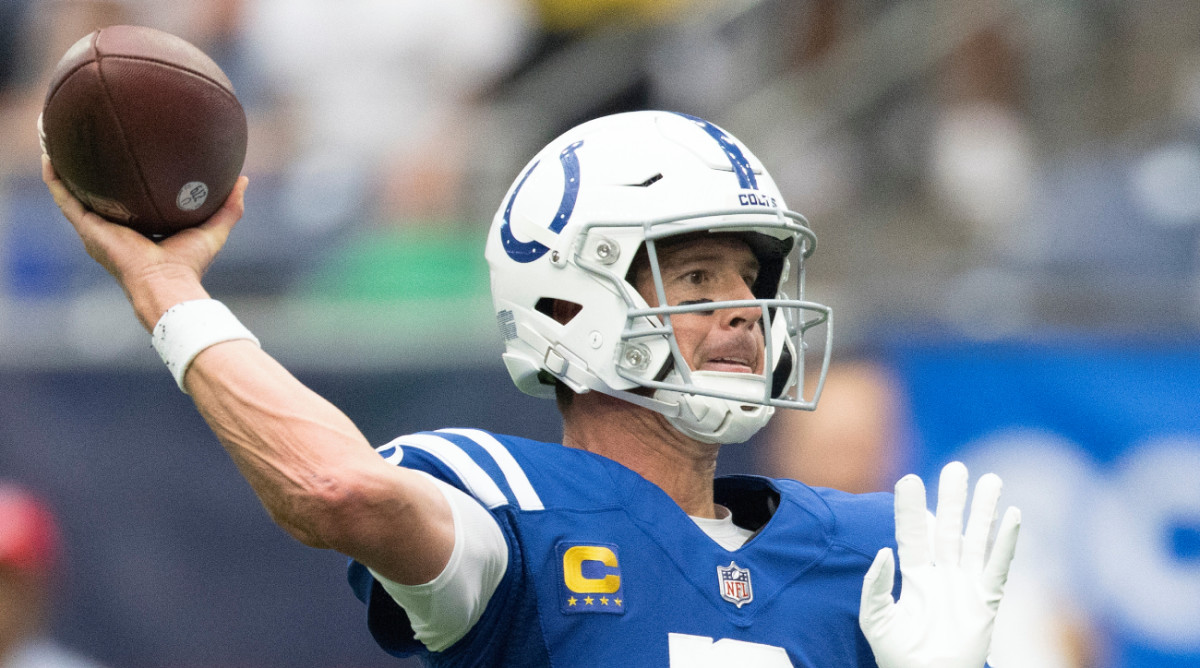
(562, 310)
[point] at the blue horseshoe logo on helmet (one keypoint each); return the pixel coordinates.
(737, 159)
(528, 251)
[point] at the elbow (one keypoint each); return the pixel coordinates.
(327, 511)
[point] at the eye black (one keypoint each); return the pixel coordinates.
(698, 301)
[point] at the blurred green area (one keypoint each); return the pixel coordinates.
(378, 265)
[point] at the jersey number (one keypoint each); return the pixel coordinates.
(701, 652)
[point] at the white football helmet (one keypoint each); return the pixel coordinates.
(569, 229)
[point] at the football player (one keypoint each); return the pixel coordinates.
(31, 552)
(647, 274)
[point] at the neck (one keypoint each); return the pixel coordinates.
(645, 442)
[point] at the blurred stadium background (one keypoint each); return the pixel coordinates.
(1006, 193)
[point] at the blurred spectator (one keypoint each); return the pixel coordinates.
(590, 58)
(367, 126)
(1074, 175)
(12, 27)
(982, 158)
(376, 99)
(29, 551)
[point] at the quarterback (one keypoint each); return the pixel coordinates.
(647, 275)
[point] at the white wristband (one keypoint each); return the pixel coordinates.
(187, 328)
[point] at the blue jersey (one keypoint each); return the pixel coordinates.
(605, 569)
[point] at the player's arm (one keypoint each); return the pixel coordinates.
(315, 472)
(311, 467)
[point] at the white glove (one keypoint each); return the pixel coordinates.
(950, 590)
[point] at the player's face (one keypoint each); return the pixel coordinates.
(711, 268)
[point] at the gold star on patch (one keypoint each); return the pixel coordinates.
(617, 601)
(572, 601)
(588, 600)
(603, 600)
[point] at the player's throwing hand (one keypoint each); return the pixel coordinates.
(951, 588)
(158, 275)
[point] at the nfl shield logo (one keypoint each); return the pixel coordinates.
(735, 584)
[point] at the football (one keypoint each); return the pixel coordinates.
(144, 129)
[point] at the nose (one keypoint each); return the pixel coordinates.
(744, 316)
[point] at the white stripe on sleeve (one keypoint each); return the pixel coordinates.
(527, 498)
(477, 481)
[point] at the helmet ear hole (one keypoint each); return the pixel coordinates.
(561, 310)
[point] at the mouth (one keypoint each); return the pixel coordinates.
(728, 364)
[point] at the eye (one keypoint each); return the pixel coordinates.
(695, 277)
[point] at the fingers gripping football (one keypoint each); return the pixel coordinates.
(951, 585)
(125, 253)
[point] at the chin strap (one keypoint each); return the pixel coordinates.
(716, 420)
